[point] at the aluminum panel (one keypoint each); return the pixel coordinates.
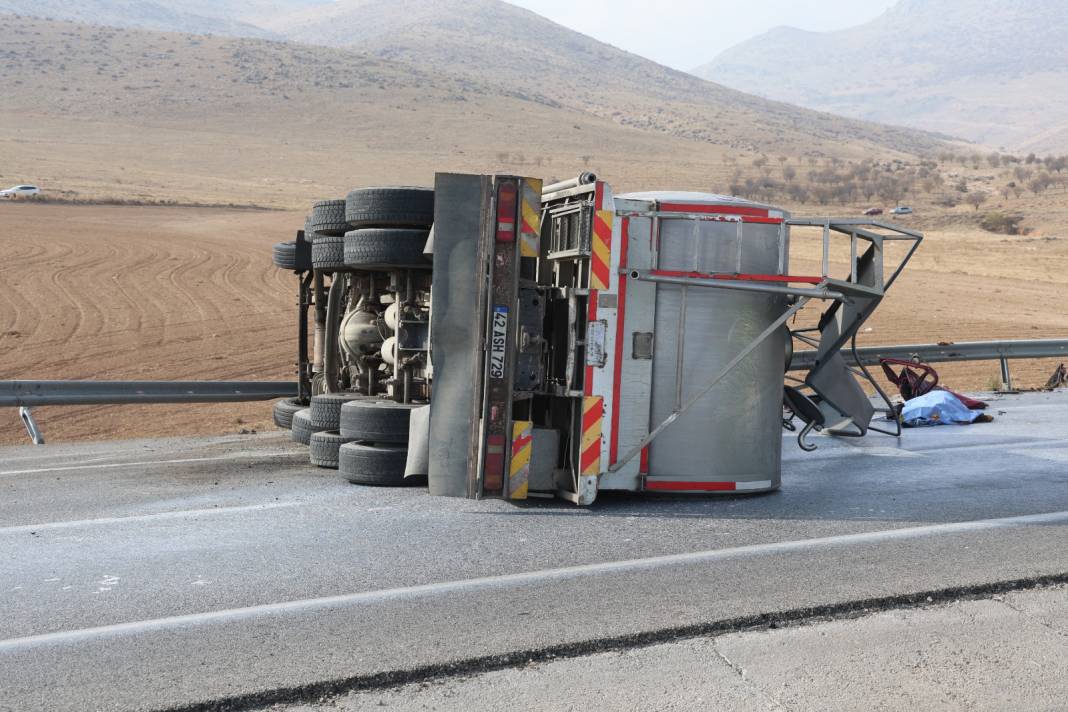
(734, 433)
(630, 422)
(455, 331)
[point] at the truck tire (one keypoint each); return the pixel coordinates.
(390, 207)
(326, 409)
(328, 218)
(328, 253)
(284, 411)
(302, 427)
(377, 421)
(378, 465)
(377, 248)
(324, 448)
(288, 255)
(310, 233)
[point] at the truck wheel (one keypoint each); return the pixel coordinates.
(379, 465)
(302, 427)
(328, 218)
(287, 255)
(310, 235)
(326, 409)
(324, 448)
(390, 207)
(378, 249)
(284, 411)
(328, 253)
(377, 421)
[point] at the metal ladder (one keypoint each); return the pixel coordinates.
(846, 408)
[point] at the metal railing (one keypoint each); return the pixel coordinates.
(25, 395)
(1001, 351)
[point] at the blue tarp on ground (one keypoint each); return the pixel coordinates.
(937, 408)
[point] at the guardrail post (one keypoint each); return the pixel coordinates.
(31, 426)
(1006, 376)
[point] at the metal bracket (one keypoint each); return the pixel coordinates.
(31, 426)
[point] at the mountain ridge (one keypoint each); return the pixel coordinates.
(572, 69)
(990, 71)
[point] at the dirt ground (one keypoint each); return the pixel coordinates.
(144, 293)
(109, 292)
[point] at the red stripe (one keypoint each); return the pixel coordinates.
(518, 445)
(713, 209)
(738, 277)
(590, 456)
(691, 486)
(590, 418)
(602, 231)
(613, 447)
(643, 464)
(600, 270)
(763, 221)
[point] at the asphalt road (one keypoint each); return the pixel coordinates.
(162, 574)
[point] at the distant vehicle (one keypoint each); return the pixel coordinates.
(873, 211)
(902, 210)
(21, 191)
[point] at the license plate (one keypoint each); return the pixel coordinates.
(498, 342)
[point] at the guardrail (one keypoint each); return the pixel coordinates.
(1001, 351)
(25, 395)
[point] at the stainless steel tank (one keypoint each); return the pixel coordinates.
(731, 439)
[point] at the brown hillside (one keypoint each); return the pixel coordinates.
(546, 60)
(133, 113)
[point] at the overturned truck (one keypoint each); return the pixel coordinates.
(496, 337)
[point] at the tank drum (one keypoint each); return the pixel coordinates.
(734, 433)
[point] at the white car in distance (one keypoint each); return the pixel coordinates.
(21, 191)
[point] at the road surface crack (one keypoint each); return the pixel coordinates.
(746, 680)
(1031, 618)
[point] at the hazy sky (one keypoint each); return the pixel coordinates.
(687, 33)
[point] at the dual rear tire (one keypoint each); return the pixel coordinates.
(378, 451)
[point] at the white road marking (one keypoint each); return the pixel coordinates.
(489, 583)
(147, 463)
(179, 514)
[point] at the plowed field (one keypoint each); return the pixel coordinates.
(101, 292)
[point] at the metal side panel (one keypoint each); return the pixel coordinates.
(734, 432)
(633, 355)
(456, 337)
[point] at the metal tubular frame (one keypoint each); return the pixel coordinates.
(858, 228)
(825, 288)
(818, 292)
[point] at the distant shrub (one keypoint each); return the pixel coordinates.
(1001, 223)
